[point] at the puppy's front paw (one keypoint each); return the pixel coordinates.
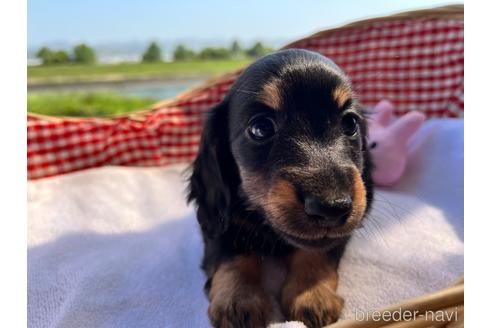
(242, 309)
(315, 307)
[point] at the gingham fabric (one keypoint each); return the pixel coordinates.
(417, 63)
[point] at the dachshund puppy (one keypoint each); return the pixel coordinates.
(281, 179)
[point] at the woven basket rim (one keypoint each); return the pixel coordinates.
(451, 296)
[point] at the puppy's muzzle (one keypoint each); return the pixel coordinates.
(330, 213)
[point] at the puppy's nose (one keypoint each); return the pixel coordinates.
(331, 213)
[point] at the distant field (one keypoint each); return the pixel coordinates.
(125, 71)
(95, 104)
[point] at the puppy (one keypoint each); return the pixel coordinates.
(282, 176)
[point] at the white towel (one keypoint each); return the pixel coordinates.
(118, 247)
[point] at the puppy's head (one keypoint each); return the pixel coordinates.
(288, 141)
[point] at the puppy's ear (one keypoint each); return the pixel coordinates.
(214, 179)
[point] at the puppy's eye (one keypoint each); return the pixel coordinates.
(373, 145)
(261, 128)
(350, 125)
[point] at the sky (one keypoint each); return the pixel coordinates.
(100, 21)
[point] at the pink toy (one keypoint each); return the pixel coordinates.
(388, 141)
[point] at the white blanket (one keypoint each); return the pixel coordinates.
(118, 247)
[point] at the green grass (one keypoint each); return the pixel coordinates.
(124, 71)
(100, 104)
(80, 104)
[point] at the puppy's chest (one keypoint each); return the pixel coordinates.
(251, 235)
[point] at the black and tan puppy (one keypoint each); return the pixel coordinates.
(281, 179)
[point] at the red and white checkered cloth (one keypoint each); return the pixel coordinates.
(417, 63)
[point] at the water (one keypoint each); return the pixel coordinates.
(157, 90)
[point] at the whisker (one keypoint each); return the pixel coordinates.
(384, 213)
(374, 230)
(393, 205)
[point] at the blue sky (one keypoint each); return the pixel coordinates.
(94, 21)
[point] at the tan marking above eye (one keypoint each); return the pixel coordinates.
(341, 94)
(270, 95)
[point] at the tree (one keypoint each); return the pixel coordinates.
(236, 50)
(84, 54)
(152, 54)
(60, 57)
(49, 57)
(44, 54)
(258, 50)
(215, 53)
(183, 53)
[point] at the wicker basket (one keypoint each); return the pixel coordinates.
(444, 308)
